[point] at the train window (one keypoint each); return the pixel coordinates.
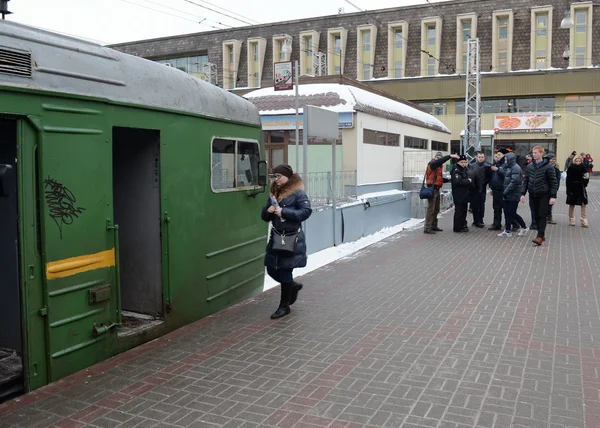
(234, 164)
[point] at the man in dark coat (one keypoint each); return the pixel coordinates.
(433, 175)
(497, 186)
(552, 159)
(461, 184)
(540, 182)
(479, 172)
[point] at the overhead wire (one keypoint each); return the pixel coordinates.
(228, 11)
(171, 14)
(187, 13)
(220, 13)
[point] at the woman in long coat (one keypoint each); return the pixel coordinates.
(576, 190)
(287, 207)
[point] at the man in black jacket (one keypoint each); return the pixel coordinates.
(479, 172)
(540, 182)
(497, 186)
(461, 184)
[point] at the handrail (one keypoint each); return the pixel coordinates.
(115, 229)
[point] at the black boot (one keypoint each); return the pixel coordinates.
(297, 287)
(284, 303)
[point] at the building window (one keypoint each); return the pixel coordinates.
(502, 30)
(466, 28)
(581, 36)
(278, 42)
(583, 104)
(190, 64)
(309, 46)
(234, 164)
(256, 57)
(414, 143)
(380, 138)
(439, 146)
(366, 36)
(397, 35)
(541, 38)
(437, 108)
(231, 60)
(431, 31)
(511, 105)
(336, 50)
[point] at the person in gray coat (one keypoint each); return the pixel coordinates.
(513, 181)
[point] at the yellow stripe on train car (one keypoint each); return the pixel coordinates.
(74, 265)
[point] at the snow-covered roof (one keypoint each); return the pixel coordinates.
(342, 99)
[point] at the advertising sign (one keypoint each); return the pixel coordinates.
(284, 76)
(523, 122)
(288, 121)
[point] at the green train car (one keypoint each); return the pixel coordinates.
(128, 203)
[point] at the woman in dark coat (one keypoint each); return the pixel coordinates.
(287, 207)
(576, 190)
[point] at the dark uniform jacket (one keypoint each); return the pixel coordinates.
(460, 185)
(497, 177)
(295, 208)
(480, 174)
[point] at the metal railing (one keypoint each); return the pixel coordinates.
(320, 187)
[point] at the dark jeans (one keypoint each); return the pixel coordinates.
(540, 212)
(497, 205)
(282, 276)
(460, 216)
(478, 206)
(510, 215)
(433, 209)
(533, 222)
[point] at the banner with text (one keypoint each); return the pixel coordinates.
(288, 121)
(284, 76)
(523, 122)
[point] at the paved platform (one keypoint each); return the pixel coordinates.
(447, 330)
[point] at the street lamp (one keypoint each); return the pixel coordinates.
(286, 48)
(567, 21)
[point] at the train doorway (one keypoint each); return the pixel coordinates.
(136, 196)
(11, 343)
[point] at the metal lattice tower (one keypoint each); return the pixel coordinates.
(472, 137)
(320, 63)
(210, 73)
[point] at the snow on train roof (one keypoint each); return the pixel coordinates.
(342, 98)
(70, 65)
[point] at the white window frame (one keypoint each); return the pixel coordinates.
(496, 15)
(314, 36)
(588, 6)
(331, 33)
(262, 48)
(235, 154)
(392, 27)
(459, 37)
(360, 30)
(535, 11)
(236, 46)
(424, 46)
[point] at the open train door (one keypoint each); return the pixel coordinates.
(23, 364)
(79, 239)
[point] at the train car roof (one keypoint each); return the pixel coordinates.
(39, 59)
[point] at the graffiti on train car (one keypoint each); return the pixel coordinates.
(61, 203)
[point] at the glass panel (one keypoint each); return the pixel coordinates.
(366, 71)
(338, 45)
(503, 28)
(276, 157)
(466, 30)
(580, 21)
(277, 137)
(431, 39)
(398, 69)
(542, 25)
(586, 105)
(459, 107)
(223, 164)
(309, 47)
(247, 164)
(398, 39)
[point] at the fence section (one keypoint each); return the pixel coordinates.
(321, 191)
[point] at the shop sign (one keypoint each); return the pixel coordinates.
(284, 76)
(523, 122)
(288, 121)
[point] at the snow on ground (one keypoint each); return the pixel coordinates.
(329, 255)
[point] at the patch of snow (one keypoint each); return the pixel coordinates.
(382, 193)
(352, 96)
(329, 255)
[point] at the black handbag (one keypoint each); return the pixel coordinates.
(285, 242)
(426, 192)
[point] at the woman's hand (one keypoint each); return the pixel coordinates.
(277, 212)
(271, 209)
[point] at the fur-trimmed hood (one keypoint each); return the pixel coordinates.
(293, 184)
